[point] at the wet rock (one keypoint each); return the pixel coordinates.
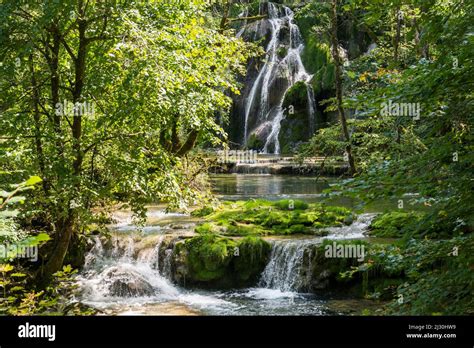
(126, 283)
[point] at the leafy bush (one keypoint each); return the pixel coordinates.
(394, 223)
(20, 298)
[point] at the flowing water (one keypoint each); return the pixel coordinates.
(130, 274)
(149, 290)
(282, 68)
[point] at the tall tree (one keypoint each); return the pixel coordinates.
(338, 81)
(95, 91)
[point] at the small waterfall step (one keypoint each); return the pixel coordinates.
(300, 265)
(285, 165)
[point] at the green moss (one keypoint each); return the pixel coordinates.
(238, 229)
(274, 218)
(282, 51)
(210, 260)
(373, 277)
(298, 228)
(208, 256)
(391, 225)
(201, 212)
(253, 204)
(295, 128)
(316, 55)
(296, 95)
(252, 257)
(260, 217)
(306, 218)
(254, 143)
(290, 204)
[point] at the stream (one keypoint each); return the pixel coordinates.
(133, 257)
(133, 273)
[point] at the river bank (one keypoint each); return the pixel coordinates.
(147, 270)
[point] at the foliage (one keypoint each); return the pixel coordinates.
(439, 279)
(14, 240)
(398, 155)
(19, 297)
(374, 142)
(254, 143)
(392, 224)
(435, 277)
(106, 101)
(202, 211)
(57, 299)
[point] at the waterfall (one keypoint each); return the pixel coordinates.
(124, 268)
(282, 68)
(286, 265)
(132, 273)
(290, 266)
(152, 256)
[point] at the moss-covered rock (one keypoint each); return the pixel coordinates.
(212, 261)
(317, 59)
(297, 126)
(209, 255)
(284, 217)
(255, 143)
(253, 253)
(368, 277)
(202, 211)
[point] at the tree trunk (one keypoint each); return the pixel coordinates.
(340, 109)
(54, 69)
(36, 117)
(189, 144)
(67, 227)
(55, 261)
(396, 40)
(425, 51)
(175, 141)
(225, 16)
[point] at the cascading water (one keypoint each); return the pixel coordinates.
(286, 264)
(282, 68)
(122, 270)
(290, 265)
(132, 273)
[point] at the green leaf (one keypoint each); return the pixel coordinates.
(18, 275)
(17, 199)
(33, 180)
(9, 213)
(6, 268)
